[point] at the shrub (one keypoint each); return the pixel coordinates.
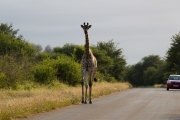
(109, 78)
(44, 73)
(13, 72)
(63, 68)
(69, 71)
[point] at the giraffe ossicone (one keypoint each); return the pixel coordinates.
(89, 67)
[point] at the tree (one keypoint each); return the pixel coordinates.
(118, 66)
(150, 70)
(67, 49)
(48, 49)
(16, 57)
(11, 44)
(149, 76)
(15, 46)
(111, 48)
(38, 48)
(173, 55)
(105, 63)
(8, 29)
(110, 60)
(151, 60)
(78, 52)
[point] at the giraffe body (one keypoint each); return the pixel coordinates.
(89, 68)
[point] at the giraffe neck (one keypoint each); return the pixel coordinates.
(87, 43)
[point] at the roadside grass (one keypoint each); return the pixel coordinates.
(160, 86)
(24, 103)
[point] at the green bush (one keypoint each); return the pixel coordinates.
(63, 68)
(69, 71)
(107, 78)
(44, 73)
(13, 72)
(16, 59)
(2, 80)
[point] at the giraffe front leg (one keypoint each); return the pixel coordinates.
(83, 82)
(86, 94)
(82, 90)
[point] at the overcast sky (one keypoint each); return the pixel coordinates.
(141, 27)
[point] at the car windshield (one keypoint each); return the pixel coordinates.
(174, 78)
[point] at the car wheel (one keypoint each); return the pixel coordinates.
(167, 89)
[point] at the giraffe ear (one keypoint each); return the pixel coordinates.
(82, 26)
(90, 26)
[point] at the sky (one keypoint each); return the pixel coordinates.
(139, 27)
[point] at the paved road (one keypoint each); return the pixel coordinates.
(133, 104)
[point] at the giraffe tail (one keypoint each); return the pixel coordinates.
(96, 80)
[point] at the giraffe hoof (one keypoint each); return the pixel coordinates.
(90, 102)
(82, 101)
(85, 102)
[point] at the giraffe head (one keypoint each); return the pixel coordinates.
(86, 27)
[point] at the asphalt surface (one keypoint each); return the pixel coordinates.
(133, 104)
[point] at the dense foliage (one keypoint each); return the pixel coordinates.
(113, 58)
(62, 68)
(8, 29)
(173, 55)
(16, 58)
(149, 71)
(111, 62)
(153, 70)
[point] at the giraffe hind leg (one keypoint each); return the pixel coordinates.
(90, 93)
(90, 87)
(86, 94)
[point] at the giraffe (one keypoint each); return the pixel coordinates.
(89, 67)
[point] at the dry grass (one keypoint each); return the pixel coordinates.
(159, 86)
(19, 104)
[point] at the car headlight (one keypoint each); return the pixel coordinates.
(168, 81)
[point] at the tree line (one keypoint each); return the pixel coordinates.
(155, 70)
(22, 62)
